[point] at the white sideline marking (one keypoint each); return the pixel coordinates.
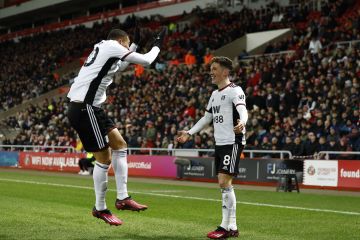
(165, 191)
(192, 198)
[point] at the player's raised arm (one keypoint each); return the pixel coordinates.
(119, 48)
(147, 58)
(122, 65)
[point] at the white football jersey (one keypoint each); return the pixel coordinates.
(222, 105)
(98, 71)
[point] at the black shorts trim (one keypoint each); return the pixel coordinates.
(111, 128)
(95, 126)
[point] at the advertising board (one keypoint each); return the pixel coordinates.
(321, 173)
(9, 159)
(199, 168)
(152, 166)
(349, 174)
(67, 162)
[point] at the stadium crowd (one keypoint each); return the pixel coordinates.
(304, 104)
(27, 68)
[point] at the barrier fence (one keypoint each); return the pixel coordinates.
(149, 151)
(37, 148)
(178, 163)
(85, 19)
(334, 154)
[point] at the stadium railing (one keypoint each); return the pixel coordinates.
(150, 151)
(176, 151)
(250, 57)
(346, 43)
(337, 153)
(36, 148)
(343, 43)
(196, 152)
(101, 16)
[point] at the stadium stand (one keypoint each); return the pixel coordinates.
(305, 103)
(300, 99)
(9, 3)
(33, 60)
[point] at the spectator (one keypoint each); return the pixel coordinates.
(323, 145)
(315, 45)
(311, 145)
(86, 164)
(190, 59)
(208, 56)
(298, 149)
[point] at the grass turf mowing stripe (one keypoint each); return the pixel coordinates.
(191, 198)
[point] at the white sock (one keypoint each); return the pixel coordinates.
(120, 166)
(232, 210)
(228, 209)
(100, 176)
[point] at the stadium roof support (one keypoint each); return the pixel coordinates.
(253, 43)
(27, 6)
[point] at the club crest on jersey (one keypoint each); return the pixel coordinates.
(223, 97)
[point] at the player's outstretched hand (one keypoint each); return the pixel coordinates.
(239, 127)
(159, 40)
(183, 136)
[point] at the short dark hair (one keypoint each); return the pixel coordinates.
(115, 34)
(223, 61)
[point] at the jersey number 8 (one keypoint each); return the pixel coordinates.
(226, 160)
(219, 119)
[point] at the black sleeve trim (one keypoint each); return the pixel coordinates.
(240, 104)
(123, 58)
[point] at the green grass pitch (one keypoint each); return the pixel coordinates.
(38, 205)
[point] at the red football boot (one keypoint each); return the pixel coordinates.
(129, 204)
(233, 233)
(107, 216)
(221, 233)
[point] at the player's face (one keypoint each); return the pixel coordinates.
(125, 42)
(217, 73)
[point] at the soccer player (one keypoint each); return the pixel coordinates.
(227, 111)
(96, 130)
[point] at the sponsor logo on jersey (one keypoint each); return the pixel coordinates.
(216, 109)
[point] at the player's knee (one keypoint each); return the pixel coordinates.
(224, 182)
(119, 144)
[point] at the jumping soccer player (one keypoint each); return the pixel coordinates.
(96, 130)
